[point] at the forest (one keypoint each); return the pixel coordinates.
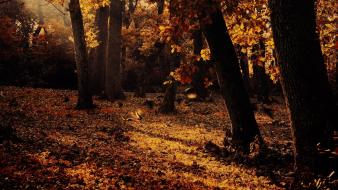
(168, 94)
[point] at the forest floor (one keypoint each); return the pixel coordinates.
(128, 145)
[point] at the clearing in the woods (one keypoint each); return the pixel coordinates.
(128, 145)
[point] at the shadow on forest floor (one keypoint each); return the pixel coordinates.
(66, 148)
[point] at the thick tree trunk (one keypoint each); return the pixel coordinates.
(304, 80)
(113, 89)
(99, 59)
(85, 98)
(244, 126)
(199, 76)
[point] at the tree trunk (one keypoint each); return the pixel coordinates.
(160, 7)
(243, 63)
(99, 60)
(168, 104)
(304, 80)
(163, 62)
(140, 90)
(199, 76)
(84, 98)
(244, 126)
(336, 75)
(113, 89)
(259, 75)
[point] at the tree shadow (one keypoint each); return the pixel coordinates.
(267, 162)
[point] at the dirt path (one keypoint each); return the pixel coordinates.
(127, 145)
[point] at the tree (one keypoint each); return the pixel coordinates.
(113, 89)
(199, 76)
(160, 6)
(244, 125)
(243, 63)
(84, 99)
(99, 54)
(168, 103)
(259, 75)
(304, 81)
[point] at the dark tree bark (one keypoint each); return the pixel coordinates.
(198, 77)
(113, 89)
(259, 75)
(163, 57)
(144, 74)
(163, 62)
(304, 80)
(336, 76)
(160, 7)
(244, 126)
(243, 63)
(98, 58)
(84, 99)
(168, 104)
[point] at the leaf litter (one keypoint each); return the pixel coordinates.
(128, 145)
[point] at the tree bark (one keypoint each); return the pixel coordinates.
(336, 94)
(259, 75)
(304, 80)
(244, 126)
(84, 99)
(199, 76)
(243, 63)
(113, 89)
(99, 59)
(168, 104)
(160, 7)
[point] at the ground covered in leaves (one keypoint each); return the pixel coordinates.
(128, 145)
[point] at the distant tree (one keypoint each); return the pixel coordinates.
(304, 82)
(199, 76)
(98, 55)
(160, 6)
(84, 99)
(259, 74)
(113, 89)
(168, 103)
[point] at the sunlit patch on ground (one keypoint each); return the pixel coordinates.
(190, 162)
